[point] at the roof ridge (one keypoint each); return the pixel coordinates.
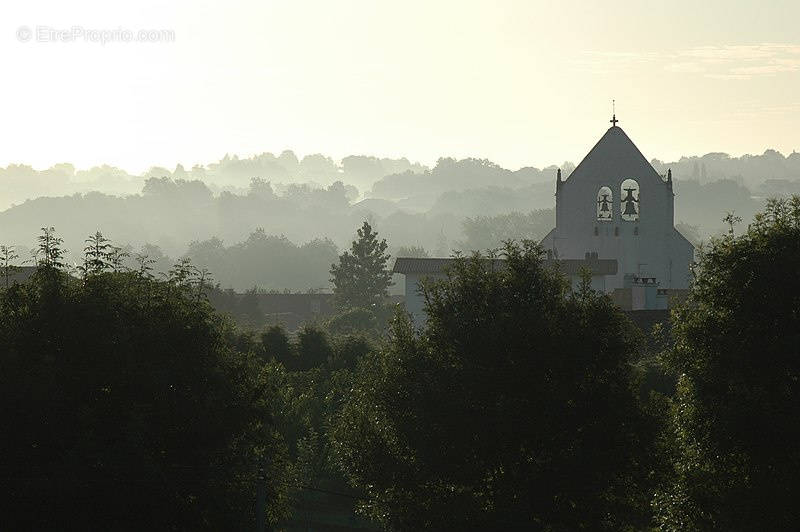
(607, 138)
(406, 265)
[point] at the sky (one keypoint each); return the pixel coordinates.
(523, 83)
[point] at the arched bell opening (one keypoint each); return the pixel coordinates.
(605, 204)
(629, 202)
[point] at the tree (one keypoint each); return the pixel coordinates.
(125, 405)
(514, 407)
(50, 254)
(275, 345)
(97, 255)
(313, 376)
(313, 348)
(359, 320)
(735, 428)
(8, 256)
(361, 279)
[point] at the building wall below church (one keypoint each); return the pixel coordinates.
(667, 257)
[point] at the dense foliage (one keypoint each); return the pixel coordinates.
(513, 408)
(125, 404)
(312, 375)
(735, 422)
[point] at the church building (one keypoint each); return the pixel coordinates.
(615, 205)
(615, 217)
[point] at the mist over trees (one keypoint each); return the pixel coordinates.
(22, 182)
(752, 171)
(487, 232)
(267, 262)
(274, 221)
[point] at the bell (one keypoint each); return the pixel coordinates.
(630, 203)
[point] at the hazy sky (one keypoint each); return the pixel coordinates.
(519, 82)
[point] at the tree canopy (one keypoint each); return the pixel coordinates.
(513, 408)
(735, 424)
(125, 404)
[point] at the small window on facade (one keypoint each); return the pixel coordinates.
(629, 205)
(616, 231)
(636, 230)
(605, 204)
(596, 231)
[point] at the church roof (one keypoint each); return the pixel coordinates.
(614, 154)
(430, 265)
(412, 265)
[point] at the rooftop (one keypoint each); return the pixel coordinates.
(406, 265)
(614, 154)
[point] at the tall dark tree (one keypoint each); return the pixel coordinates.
(362, 279)
(514, 408)
(735, 423)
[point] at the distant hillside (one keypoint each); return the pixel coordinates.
(409, 204)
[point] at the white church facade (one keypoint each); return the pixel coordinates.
(615, 205)
(615, 217)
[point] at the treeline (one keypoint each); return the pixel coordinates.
(315, 198)
(765, 174)
(23, 182)
(175, 216)
(171, 214)
(760, 173)
(279, 260)
(267, 262)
